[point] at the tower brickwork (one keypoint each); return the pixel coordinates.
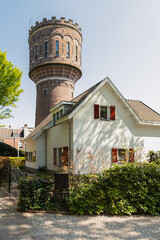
(55, 62)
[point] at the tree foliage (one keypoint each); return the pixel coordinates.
(10, 81)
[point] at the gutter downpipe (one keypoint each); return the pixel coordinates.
(69, 147)
(46, 148)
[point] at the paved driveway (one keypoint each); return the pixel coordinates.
(57, 226)
(15, 225)
(41, 226)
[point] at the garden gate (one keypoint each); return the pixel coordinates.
(61, 187)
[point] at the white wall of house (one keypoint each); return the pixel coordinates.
(93, 139)
(31, 165)
(41, 152)
(150, 136)
(57, 137)
(31, 147)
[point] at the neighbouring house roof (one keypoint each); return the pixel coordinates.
(5, 133)
(144, 112)
(8, 133)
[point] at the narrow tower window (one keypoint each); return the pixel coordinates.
(45, 92)
(76, 54)
(57, 48)
(36, 51)
(68, 50)
(45, 48)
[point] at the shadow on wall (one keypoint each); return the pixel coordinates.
(94, 141)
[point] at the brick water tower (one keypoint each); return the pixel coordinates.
(55, 62)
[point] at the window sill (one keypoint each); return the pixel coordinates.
(103, 119)
(30, 160)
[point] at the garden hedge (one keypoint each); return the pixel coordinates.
(127, 189)
(7, 150)
(132, 188)
(35, 194)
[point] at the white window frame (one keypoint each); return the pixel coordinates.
(108, 112)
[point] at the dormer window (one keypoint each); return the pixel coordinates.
(57, 48)
(68, 49)
(36, 51)
(45, 48)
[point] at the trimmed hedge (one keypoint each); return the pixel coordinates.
(35, 194)
(132, 188)
(127, 189)
(7, 150)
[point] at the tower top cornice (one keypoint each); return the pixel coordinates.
(55, 21)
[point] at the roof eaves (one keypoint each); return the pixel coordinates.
(150, 123)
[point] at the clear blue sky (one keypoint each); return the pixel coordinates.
(121, 40)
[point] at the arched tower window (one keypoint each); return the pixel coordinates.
(45, 48)
(36, 51)
(68, 50)
(57, 48)
(76, 50)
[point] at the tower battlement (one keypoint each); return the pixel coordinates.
(55, 21)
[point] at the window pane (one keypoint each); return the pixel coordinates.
(45, 92)
(61, 113)
(57, 45)
(36, 51)
(122, 155)
(46, 48)
(60, 156)
(103, 112)
(67, 46)
(57, 115)
(54, 118)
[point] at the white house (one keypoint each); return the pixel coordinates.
(92, 131)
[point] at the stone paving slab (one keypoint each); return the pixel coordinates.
(15, 225)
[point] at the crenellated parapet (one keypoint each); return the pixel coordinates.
(55, 21)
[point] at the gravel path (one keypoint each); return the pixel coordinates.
(57, 226)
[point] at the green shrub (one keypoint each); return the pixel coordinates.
(75, 180)
(7, 150)
(42, 169)
(18, 162)
(35, 194)
(154, 157)
(126, 189)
